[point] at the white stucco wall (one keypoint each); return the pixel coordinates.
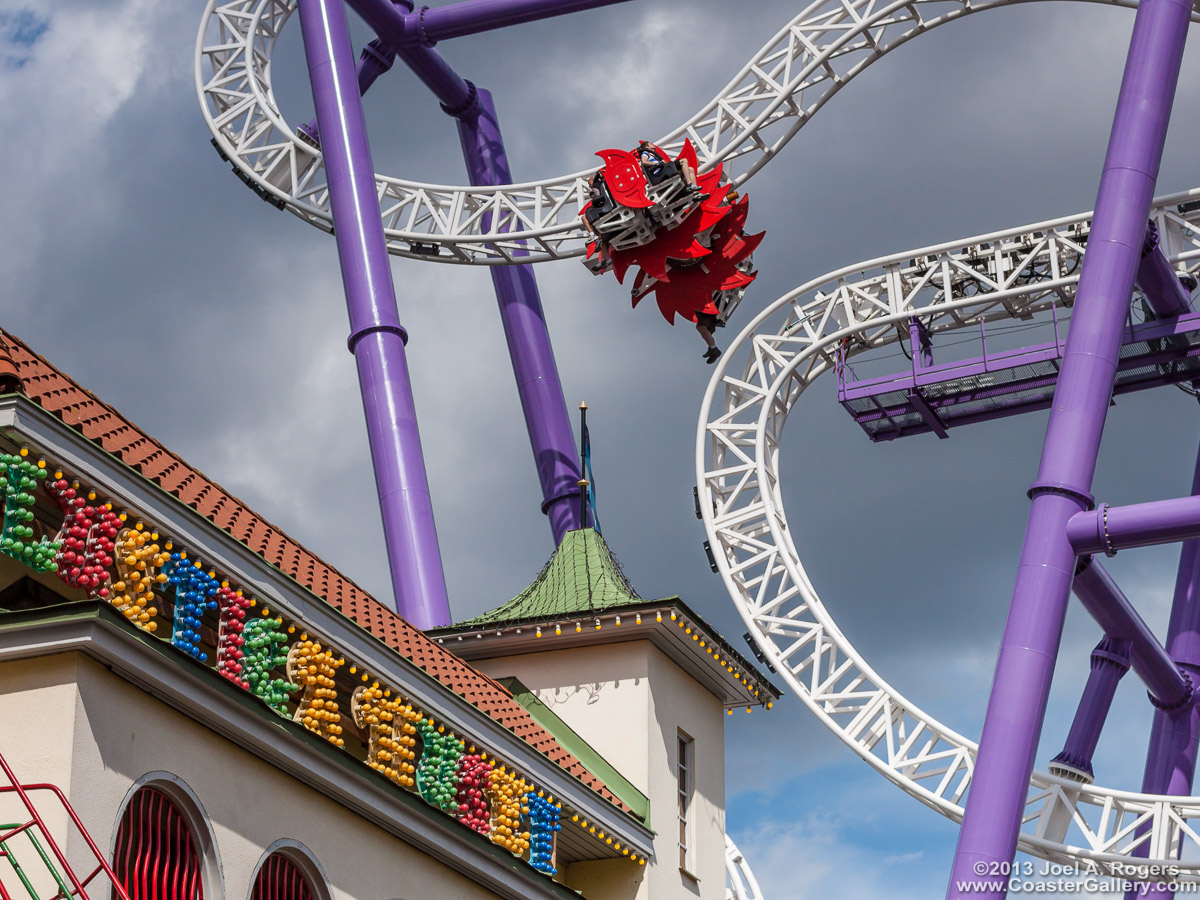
(96, 735)
(629, 702)
(679, 703)
(37, 715)
(601, 692)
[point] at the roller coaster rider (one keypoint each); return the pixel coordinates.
(658, 169)
(602, 204)
(706, 317)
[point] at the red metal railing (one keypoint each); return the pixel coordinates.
(73, 886)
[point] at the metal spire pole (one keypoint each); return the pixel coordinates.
(1016, 708)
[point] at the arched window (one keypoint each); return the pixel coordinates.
(280, 879)
(155, 855)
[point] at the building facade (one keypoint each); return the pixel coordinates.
(230, 717)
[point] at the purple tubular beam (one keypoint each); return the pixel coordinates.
(428, 26)
(1159, 281)
(472, 16)
(1175, 735)
(1025, 665)
(1183, 631)
(376, 59)
(546, 417)
(1112, 528)
(1114, 613)
(383, 16)
(1110, 662)
(376, 338)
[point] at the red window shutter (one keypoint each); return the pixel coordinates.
(280, 879)
(155, 856)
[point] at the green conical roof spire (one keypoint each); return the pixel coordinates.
(581, 577)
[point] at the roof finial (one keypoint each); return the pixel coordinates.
(583, 463)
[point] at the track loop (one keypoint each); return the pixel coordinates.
(1011, 274)
(745, 125)
(740, 883)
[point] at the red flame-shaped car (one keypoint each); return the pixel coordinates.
(685, 232)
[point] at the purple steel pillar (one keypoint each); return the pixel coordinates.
(1110, 662)
(1025, 666)
(473, 16)
(528, 338)
(376, 338)
(1114, 613)
(1159, 281)
(1174, 734)
(376, 59)
(546, 417)
(1113, 528)
(428, 26)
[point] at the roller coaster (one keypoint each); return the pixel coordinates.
(1030, 274)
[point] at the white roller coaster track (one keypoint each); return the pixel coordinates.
(745, 409)
(747, 124)
(740, 883)
(766, 369)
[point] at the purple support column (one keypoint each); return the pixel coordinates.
(376, 338)
(546, 417)
(1025, 666)
(428, 26)
(1110, 662)
(376, 58)
(1114, 613)
(1159, 281)
(1112, 528)
(472, 16)
(428, 65)
(1175, 734)
(528, 338)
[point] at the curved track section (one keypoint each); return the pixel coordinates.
(1005, 275)
(740, 883)
(749, 121)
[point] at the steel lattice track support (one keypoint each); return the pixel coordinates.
(740, 883)
(1010, 274)
(745, 125)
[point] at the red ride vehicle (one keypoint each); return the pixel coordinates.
(685, 233)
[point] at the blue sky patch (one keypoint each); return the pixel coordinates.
(19, 32)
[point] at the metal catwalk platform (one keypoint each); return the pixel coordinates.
(937, 398)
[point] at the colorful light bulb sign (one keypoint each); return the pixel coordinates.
(18, 482)
(125, 563)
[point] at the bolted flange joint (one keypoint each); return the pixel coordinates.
(1180, 703)
(468, 107)
(1057, 487)
(352, 341)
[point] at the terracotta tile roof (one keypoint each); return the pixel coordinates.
(26, 372)
(10, 381)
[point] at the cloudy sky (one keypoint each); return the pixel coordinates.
(135, 261)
